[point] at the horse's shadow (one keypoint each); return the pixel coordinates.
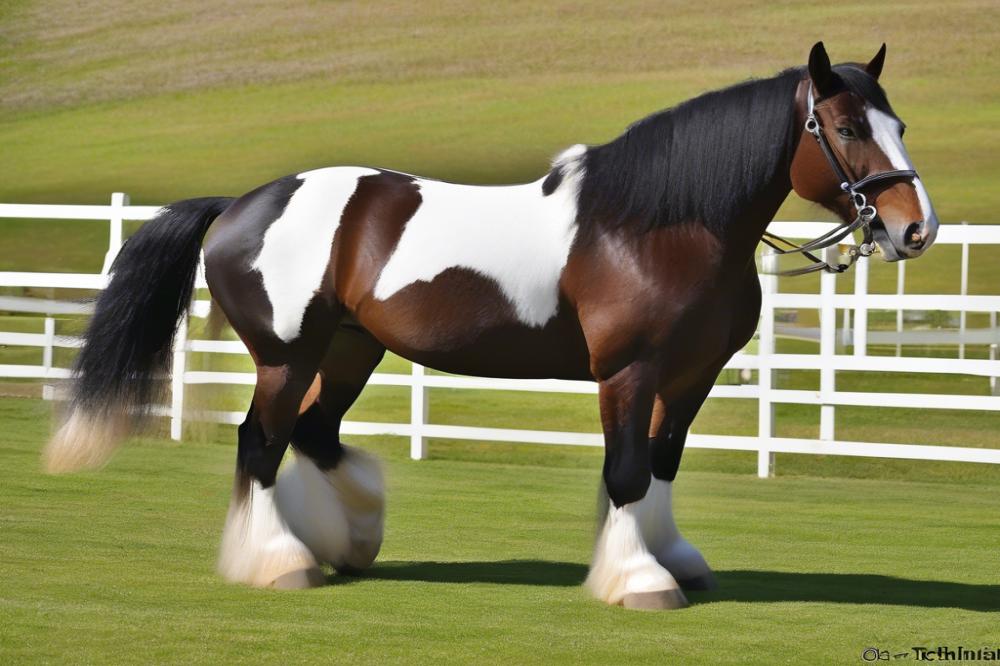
(734, 585)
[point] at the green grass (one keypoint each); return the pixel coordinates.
(486, 543)
(482, 562)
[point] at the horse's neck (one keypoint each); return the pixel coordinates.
(744, 234)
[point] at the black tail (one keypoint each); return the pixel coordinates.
(128, 342)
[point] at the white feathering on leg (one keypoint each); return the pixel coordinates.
(338, 513)
(257, 545)
(622, 564)
(655, 515)
(309, 503)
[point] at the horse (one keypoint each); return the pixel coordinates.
(630, 264)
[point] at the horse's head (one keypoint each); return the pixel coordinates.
(851, 155)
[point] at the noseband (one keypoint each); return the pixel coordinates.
(866, 212)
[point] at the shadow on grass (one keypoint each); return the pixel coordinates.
(735, 585)
(838, 588)
(513, 572)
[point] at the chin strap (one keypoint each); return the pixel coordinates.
(866, 212)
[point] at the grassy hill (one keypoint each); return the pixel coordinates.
(170, 100)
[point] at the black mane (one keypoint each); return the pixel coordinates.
(699, 161)
(702, 160)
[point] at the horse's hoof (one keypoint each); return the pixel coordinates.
(658, 600)
(301, 579)
(700, 583)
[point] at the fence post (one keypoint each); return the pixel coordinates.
(827, 347)
(993, 349)
(765, 349)
(964, 291)
(845, 330)
(177, 380)
(118, 202)
(418, 413)
(860, 307)
(48, 390)
(900, 289)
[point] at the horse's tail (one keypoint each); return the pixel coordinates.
(127, 346)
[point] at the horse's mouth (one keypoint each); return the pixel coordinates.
(882, 240)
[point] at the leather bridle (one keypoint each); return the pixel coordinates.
(866, 212)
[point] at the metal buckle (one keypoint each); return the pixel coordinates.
(867, 213)
(812, 125)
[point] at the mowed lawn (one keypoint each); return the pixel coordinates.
(486, 544)
(482, 563)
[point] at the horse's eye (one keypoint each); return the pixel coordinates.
(846, 132)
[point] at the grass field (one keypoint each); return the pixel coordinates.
(487, 544)
(482, 563)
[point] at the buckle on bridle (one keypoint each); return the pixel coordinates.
(867, 249)
(812, 125)
(867, 213)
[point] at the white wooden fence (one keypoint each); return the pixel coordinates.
(766, 361)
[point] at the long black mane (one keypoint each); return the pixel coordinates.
(699, 161)
(704, 159)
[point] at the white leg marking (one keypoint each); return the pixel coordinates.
(886, 132)
(297, 246)
(656, 519)
(622, 563)
(513, 235)
(84, 441)
(337, 514)
(257, 545)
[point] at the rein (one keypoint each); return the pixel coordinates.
(866, 212)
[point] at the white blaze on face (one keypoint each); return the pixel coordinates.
(296, 248)
(886, 132)
(512, 235)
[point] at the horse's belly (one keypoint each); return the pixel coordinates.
(461, 322)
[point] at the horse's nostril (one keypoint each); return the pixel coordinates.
(914, 237)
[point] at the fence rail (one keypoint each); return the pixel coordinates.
(854, 333)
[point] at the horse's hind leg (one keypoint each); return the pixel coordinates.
(332, 496)
(258, 546)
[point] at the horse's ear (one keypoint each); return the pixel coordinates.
(819, 68)
(875, 66)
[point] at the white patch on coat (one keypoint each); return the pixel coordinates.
(622, 562)
(513, 235)
(338, 514)
(885, 131)
(296, 249)
(257, 545)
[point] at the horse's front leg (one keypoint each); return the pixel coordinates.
(623, 570)
(668, 433)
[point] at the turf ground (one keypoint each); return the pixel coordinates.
(482, 563)
(486, 543)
